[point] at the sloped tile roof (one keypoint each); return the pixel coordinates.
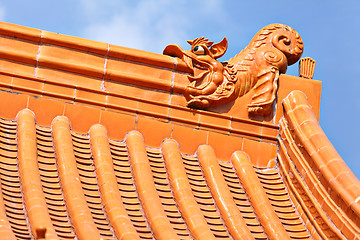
(97, 143)
(61, 183)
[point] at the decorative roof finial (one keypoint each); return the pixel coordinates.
(257, 67)
(307, 67)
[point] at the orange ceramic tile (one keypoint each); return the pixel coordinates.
(312, 208)
(34, 198)
(269, 131)
(184, 116)
(338, 168)
(141, 56)
(70, 79)
(215, 122)
(17, 68)
(302, 113)
(118, 124)
(178, 100)
(267, 152)
(59, 92)
(272, 163)
(5, 81)
(45, 109)
(144, 182)
(5, 229)
(261, 204)
(223, 198)
(11, 104)
(18, 49)
(181, 188)
(94, 98)
(18, 31)
(138, 69)
(182, 67)
(74, 42)
(139, 80)
(138, 92)
(309, 127)
(27, 85)
(311, 88)
(189, 138)
(81, 117)
(346, 232)
(150, 109)
(245, 127)
(224, 145)
(110, 194)
(252, 148)
(319, 191)
(329, 153)
(313, 142)
(153, 130)
(72, 60)
(120, 103)
(181, 79)
(318, 139)
(76, 204)
(122, 89)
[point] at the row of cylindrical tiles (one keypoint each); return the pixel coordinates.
(321, 226)
(77, 207)
(327, 161)
(339, 226)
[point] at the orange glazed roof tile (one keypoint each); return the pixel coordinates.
(96, 142)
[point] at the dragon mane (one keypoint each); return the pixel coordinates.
(238, 66)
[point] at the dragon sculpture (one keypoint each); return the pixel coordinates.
(257, 67)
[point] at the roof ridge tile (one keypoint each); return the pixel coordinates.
(109, 189)
(221, 194)
(76, 204)
(257, 196)
(182, 192)
(144, 181)
(34, 199)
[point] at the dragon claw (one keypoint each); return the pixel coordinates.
(198, 103)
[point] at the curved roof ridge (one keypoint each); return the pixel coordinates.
(322, 225)
(343, 185)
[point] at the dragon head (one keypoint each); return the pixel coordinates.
(202, 52)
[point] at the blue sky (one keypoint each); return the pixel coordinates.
(330, 31)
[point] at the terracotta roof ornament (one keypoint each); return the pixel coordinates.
(257, 67)
(307, 67)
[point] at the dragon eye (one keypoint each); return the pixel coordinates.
(199, 50)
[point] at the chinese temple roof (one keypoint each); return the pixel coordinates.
(98, 142)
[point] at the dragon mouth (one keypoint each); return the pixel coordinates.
(196, 63)
(191, 60)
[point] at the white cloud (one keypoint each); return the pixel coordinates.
(147, 24)
(2, 13)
